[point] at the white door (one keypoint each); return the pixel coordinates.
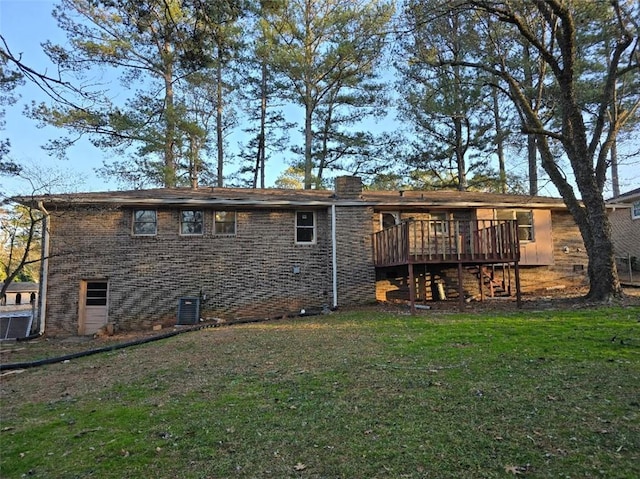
(93, 306)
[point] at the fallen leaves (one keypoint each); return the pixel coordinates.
(517, 470)
(299, 467)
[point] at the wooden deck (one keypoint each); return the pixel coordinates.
(450, 241)
(455, 242)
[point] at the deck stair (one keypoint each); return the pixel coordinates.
(487, 245)
(496, 278)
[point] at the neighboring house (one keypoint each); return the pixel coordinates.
(16, 310)
(135, 259)
(624, 215)
(19, 293)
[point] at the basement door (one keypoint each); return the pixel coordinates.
(93, 306)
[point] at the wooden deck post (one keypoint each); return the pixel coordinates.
(518, 295)
(412, 288)
(460, 288)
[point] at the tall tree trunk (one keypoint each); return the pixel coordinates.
(262, 155)
(615, 179)
(194, 154)
(308, 142)
(502, 171)
(460, 153)
(308, 97)
(532, 155)
(532, 161)
(169, 173)
(219, 129)
(590, 215)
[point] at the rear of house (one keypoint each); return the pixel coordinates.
(624, 215)
(551, 252)
(136, 259)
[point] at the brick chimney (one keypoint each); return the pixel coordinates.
(348, 186)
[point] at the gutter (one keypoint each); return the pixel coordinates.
(394, 202)
(44, 267)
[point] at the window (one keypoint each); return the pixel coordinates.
(525, 222)
(525, 225)
(305, 227)
(389, 219)
(145, 222)
(635, 210)
(224, 223)
(191, 222)
(96, 293)
(439, 222)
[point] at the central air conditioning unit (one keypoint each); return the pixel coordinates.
(188, 310)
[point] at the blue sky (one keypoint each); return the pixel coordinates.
(25, 24)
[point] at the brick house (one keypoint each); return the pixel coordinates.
(133, 259)
(624, 215)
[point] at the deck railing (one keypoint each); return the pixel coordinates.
(447, 241)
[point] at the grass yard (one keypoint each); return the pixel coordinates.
(362, 394)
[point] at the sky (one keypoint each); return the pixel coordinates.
(26, 24)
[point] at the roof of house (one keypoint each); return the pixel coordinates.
(628, 197)
(21, 287)
(273, 197)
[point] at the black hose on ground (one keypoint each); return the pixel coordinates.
(135, 342)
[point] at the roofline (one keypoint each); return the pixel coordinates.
(627, 196)
(465, 204)
(120, 201)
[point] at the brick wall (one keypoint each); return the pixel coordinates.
(356, 273)
(348, 186)
(258, 273)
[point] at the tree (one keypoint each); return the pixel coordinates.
(326, 49)
(154, 47)
(219, 43)
(580, 126)
(443, 100)
(268, 129)
(20, 236)
(22, 222)
(10, 79)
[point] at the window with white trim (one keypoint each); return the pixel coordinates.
(305, 227)
(635, 210)
(145, 222)
(191, 222)
(224, 223)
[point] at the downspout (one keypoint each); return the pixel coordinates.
(44, 266)
(334, 256)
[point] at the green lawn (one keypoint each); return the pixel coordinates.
(348, 395)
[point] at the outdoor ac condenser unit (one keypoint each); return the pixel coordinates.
(188, 310)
